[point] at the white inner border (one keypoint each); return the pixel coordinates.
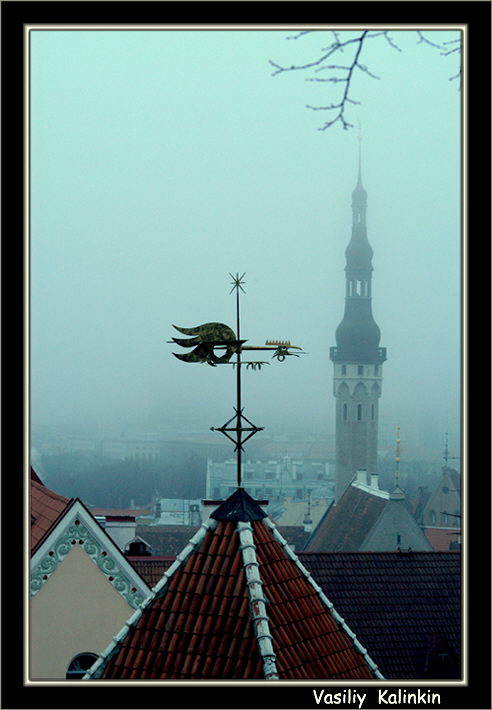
(28, 28)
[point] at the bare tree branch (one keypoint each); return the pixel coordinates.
(344, 73)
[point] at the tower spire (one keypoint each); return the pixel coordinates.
(357, 356)
(359, 137)
(397, 458)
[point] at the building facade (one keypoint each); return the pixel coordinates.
(357, 358)
(275, 480)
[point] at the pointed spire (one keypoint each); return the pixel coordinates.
(359, 195)
(397, 457)
(360, 153)
(446, 452)
(397, 493)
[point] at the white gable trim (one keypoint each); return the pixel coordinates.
(257, 600)
(324, 599)
(79, 527)
(370, 489)
(97, 669)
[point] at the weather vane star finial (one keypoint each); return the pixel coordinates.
(237, 282)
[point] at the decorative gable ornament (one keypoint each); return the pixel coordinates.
(78, 528)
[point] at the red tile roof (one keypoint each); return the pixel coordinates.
(442, 538)
(46, 508)
(151, 569)
(348, 523)
(237, 604)
(402, 606)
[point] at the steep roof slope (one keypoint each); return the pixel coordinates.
(46, 508)
(402, 606)
(348, 523)
(151, 568)
(236, 604)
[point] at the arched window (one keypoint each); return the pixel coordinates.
(372, 412)
(80, 664)
(344, 410)
(359, 412)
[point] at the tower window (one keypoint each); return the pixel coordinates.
(398, 540)
(360, 369)
(344, 413)
(359, 412)
(344, 369)
(376, 370)
(372, 412)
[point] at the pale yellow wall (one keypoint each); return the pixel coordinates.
(76, 610)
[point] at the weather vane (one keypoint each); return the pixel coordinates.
(216, 344)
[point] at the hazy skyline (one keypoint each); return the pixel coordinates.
(163, 160)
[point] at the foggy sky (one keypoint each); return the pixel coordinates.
(163, 160)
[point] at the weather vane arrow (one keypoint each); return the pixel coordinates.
(215, 344)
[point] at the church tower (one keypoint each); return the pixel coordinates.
(357, 358)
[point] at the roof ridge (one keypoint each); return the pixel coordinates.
(324, 599)
(257, 600)
(98, 667)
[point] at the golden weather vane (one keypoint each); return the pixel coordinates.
(216, 344)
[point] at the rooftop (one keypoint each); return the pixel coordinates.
(405, 607)
(46, 508)
(348, 523)
(236, 604)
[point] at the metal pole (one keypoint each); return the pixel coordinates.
(238, 392)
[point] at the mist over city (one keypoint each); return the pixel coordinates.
(165, 161)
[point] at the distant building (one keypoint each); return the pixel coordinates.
(141, 448)
(119, 523)
(440, 517)
(178, 511)
(368, 518)
(274, 480)
(357, 358)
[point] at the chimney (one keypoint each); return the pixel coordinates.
(308, 525)
(375, 481)
(361, 475)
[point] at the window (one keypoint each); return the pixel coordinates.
(433, 517)
(398, 540)
(344, 369)
(359, 412)
(360, 369)
(80, 664)
(376, 370)
(344, 412)
(372, 412)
